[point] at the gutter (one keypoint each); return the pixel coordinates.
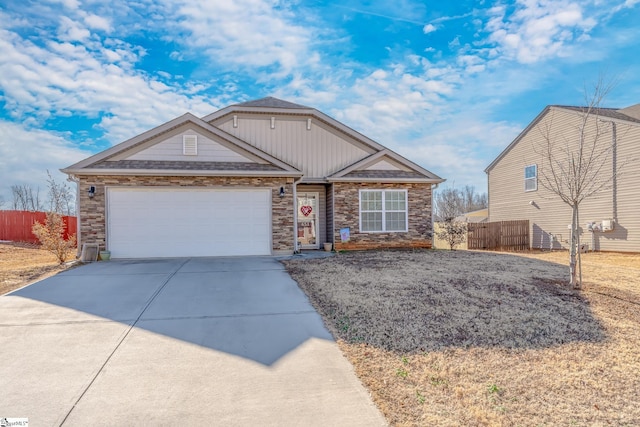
(184, 172)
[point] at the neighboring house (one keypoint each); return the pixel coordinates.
(515, 191)
(480, 215)
(257, 178)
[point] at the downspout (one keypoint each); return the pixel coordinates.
(73, 178)
(434, 187)
(614, 164)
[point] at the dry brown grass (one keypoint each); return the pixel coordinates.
(22, 263)
(479, 338)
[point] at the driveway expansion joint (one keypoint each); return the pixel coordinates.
(123, 337)
(226, 316)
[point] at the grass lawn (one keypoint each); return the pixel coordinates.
(483, 338)
(22, 263)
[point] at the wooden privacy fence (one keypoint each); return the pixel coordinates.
(16, 226)
(501, 236)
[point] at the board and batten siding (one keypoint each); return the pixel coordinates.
(547, 214)
(318, 152)
(171, 149)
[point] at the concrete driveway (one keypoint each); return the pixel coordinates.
(200, 341)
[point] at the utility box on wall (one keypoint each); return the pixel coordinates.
(607, 225)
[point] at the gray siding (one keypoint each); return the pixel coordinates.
(171, 149)
(548, 214)
(318, 152)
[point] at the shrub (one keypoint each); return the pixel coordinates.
(51, 236)
(453, 232)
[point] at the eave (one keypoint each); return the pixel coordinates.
(177, 172)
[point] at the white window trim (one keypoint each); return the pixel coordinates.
(384, 211)
(534, 178)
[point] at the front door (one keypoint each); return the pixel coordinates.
(308, 226)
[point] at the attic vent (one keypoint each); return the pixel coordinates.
(190, 145)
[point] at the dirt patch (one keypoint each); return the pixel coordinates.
(481, 338)
(23, 263)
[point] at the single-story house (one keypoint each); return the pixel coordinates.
(257, 178)
(610, 219)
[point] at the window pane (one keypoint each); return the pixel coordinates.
(395, 200)
(396, 221)
(530, 171)
(371, 200)
(371, 221)
(530, 184)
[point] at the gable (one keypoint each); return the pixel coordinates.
(386, 165)
(171, 148)
(303, 141)
(159, 151)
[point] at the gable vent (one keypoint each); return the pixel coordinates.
(190, 145)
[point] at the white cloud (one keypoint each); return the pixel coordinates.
(537, 29)
(27, 154)
(429, 28)
(88, 80)
(245, 34)
(97, 22)
(71, 30)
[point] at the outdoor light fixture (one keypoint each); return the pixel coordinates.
(92, 191)
(281, 191)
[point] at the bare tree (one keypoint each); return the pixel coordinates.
(2, 201)
(451, 202)
(25, 198)
(61, 197)
(452, 231)
(575, 168)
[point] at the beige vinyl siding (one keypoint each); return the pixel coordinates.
(318, 152)
(386, 166)
(171, 149)
(322, 207)
(548, 214)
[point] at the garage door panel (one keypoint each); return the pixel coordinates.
(188, 222)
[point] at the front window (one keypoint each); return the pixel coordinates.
(531, 178)
(383, 210)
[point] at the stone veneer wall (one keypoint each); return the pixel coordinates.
(92, 222)
(346, 214)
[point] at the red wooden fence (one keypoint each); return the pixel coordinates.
(16, 226)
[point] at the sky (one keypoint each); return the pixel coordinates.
(447, 84)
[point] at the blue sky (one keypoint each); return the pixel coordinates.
(446, 84)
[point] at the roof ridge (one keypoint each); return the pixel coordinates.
(272, 102)
(614, 113)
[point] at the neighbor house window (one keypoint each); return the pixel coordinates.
(531, 178)
(383, 210)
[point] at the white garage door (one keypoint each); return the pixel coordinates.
(164, 222)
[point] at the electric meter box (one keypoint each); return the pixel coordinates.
(607, 225)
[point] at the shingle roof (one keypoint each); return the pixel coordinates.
(271, 102)
(184, 165)
(384, 174)
(613, 113)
